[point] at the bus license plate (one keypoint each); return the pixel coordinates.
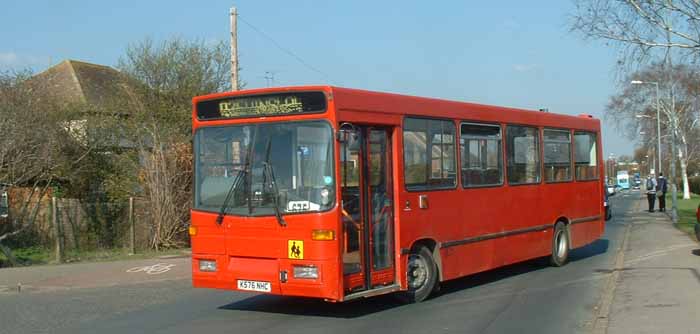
(254, 286)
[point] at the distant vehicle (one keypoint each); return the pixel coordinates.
(611, 189)
(607, 204)
(623, 179)
(636, 181)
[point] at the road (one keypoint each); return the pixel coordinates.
(525, 298)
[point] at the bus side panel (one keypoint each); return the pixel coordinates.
(479, 212)
(437, 221)
(467, 259)
(588, 201)
(522, 212)
(558, 202)
(482, 212)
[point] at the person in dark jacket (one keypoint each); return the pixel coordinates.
(651, 192)
(661, 189)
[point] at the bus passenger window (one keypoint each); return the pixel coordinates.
(557, 155)
(429, 154)
(522, 146)
(586, 157)
(480, 152)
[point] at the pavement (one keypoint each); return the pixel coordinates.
(93, 275)
(658, 285)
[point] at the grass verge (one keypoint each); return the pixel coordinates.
(686, 212)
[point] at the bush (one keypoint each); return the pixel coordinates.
(694, 184)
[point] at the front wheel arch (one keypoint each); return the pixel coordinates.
(434, 248)
(422, 267)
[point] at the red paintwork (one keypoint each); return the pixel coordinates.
(258, 251)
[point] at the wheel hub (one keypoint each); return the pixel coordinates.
(561, 244)
(417, 271)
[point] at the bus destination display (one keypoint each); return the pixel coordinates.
(262, 105)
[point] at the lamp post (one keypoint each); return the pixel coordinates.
(658, 118)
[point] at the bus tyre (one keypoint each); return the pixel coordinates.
(421, 275)
(560, 245)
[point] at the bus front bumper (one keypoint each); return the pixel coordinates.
(275, 276)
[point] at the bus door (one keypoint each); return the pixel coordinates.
(367, 209)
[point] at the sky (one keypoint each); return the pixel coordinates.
(508, 53)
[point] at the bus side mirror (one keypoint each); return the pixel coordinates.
(342, 136)
(349, 138)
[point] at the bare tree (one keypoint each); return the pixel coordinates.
(168, 76)
(678, 119)
(34, 149)
(641, 28)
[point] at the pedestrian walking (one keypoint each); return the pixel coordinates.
(651, 191)
(661, 189)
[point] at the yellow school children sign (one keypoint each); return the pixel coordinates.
(295, 249)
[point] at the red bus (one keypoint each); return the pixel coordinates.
(340, 193)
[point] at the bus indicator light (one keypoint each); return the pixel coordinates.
(323, 235)
(192, 230)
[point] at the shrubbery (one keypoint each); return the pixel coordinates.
(694, 184)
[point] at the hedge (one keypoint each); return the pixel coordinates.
(694, 184)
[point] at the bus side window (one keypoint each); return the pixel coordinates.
(429, 154)
(557, 155)
(522, 146)
(586, 157)
(480, 152)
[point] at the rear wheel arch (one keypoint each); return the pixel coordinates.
(567, 224)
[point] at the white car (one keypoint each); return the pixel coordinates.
(611, 189)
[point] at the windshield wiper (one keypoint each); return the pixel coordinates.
(270, 175)
(231, 191)
(239, 177)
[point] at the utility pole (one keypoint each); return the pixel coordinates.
(269, 78)
(234, 49)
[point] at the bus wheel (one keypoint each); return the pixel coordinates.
(560, 245)
(421, 275)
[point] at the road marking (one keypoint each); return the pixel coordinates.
(155, 269)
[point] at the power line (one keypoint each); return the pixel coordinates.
(285, 50)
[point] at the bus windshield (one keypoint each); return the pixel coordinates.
(300, 157)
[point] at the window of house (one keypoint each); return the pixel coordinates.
(429, 154)
(557, 155)
(480, 154)
(522, 147)
(586, 157)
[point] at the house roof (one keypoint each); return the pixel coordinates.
(73, 81)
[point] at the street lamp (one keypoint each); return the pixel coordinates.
(658, 118)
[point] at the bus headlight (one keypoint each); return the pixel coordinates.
(308, 272)
(207, 265)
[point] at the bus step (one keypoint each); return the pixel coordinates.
(372, 292)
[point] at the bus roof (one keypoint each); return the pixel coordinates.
(349, 100)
